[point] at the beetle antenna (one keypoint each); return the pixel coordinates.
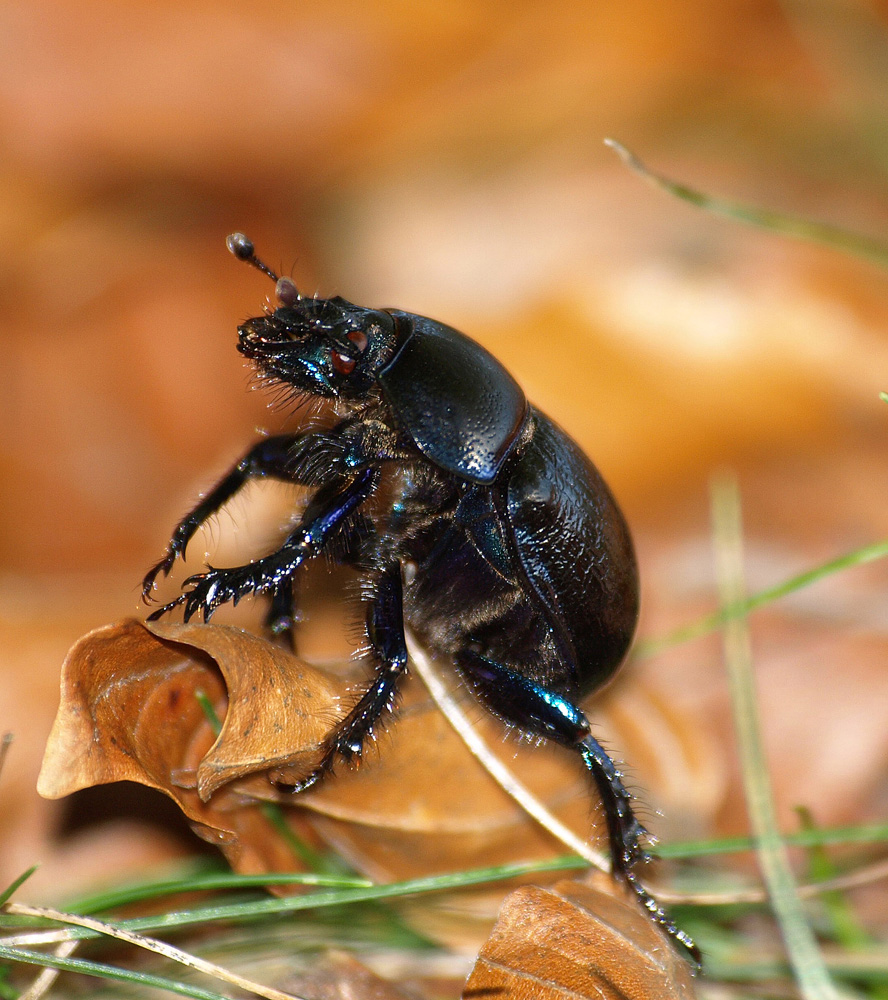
(243, 249)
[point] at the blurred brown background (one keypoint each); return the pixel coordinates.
(447, 159)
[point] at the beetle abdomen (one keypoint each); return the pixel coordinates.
(462, 409)
(575, 549)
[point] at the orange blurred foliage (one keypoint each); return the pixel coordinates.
(447, 159)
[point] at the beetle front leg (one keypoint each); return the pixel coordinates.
(270, 457)
(385, 630)
(326, 512)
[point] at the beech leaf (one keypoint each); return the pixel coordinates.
(576, 941)
(279, 708)
(124, 711)
(129, 711)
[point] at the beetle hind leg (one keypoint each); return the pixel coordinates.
(541, 711)
(627, 836)
(625, 833)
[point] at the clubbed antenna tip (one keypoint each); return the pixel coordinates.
(243, 249)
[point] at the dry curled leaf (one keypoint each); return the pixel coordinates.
(573, 942)
(129, 711)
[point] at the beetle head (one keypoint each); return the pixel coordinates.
(323, 347)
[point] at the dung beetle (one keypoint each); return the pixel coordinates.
(492, 537)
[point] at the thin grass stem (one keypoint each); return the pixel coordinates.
(804, 956)
(739, 609)
(797, 227)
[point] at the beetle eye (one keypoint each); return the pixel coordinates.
(342, 364)
(359, 339)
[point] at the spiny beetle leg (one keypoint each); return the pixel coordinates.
(543, 712)
(625, 833)
(281, 617)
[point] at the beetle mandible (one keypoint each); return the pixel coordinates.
(502, 549)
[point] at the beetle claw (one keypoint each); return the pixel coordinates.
(160, 612)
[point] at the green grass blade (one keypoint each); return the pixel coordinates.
(741, 608)
(868, 968)
(102, 971)
(846, 928)
(867, 833)
(7, 893)
(303, 852)
(807, 963)
(336, 897)
(343, 892)
(794, 226)
(208, 882)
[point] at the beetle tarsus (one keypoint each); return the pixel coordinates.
(309, 781)
(662, 919)
(160, 612)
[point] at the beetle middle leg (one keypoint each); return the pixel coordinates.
(385, 631)
(281, 617)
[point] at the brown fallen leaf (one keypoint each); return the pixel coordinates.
(129, 711)
(577, 941)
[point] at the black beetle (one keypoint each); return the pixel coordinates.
(501, 546)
